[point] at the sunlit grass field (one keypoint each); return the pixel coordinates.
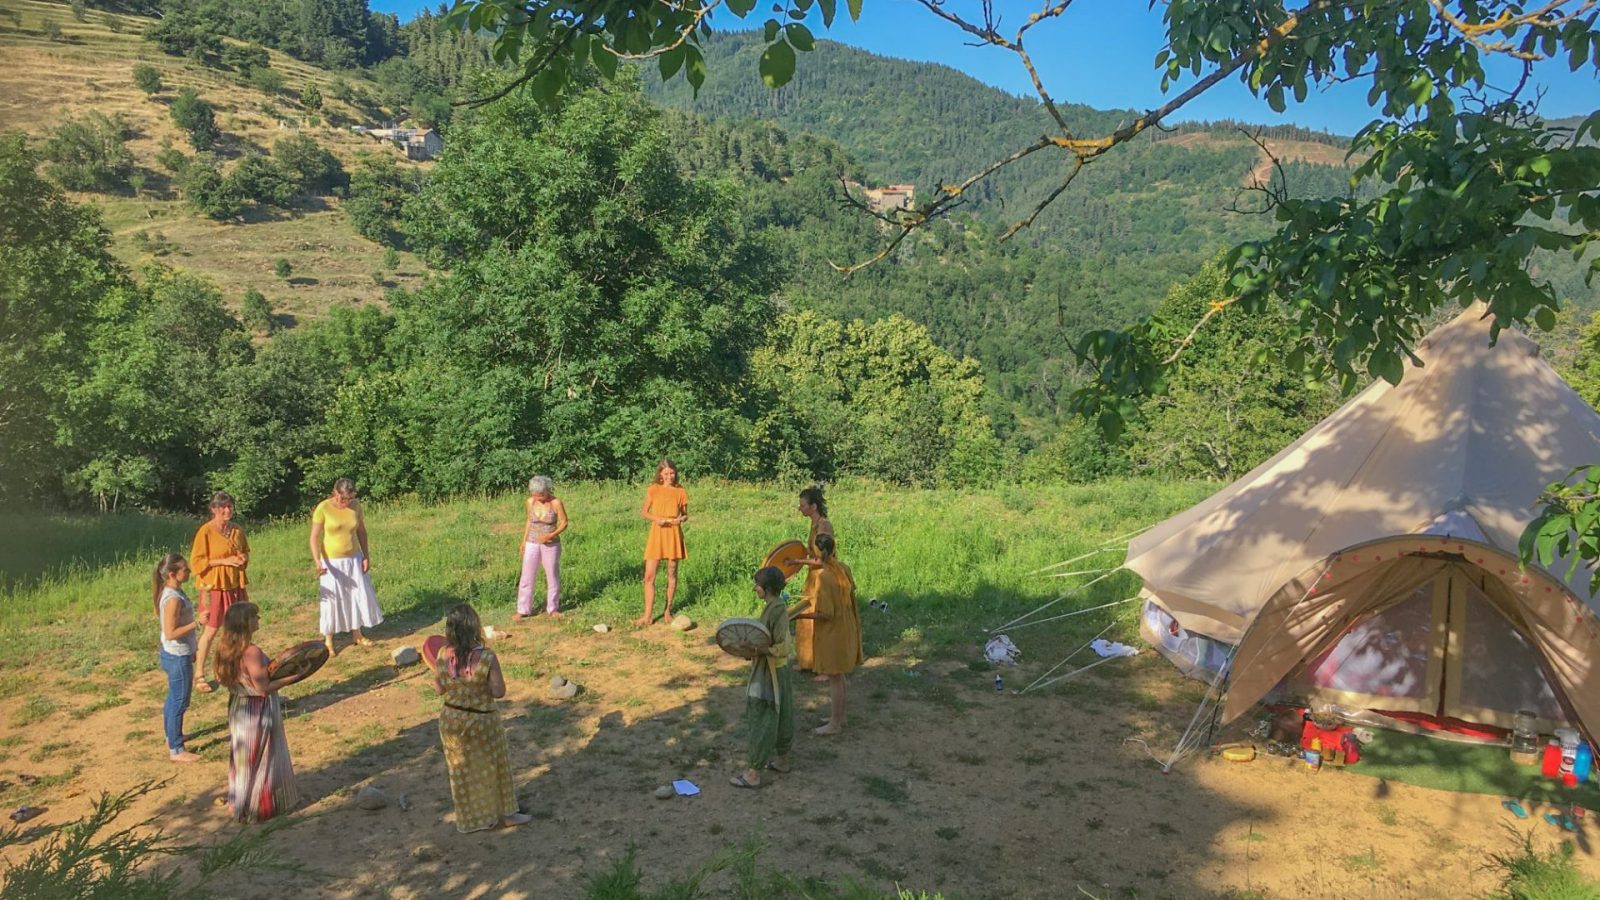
(948, 562)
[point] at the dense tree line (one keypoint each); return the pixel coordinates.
(610, 308)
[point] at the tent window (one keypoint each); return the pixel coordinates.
(1383, 655)
(1499, 669)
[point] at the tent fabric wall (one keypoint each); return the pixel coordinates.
(1313, 610)
(1465, 443)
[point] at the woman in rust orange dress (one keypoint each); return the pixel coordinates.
(830, 602)
(666, 507)
(815, 508)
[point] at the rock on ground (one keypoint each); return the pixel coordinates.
(405, 656)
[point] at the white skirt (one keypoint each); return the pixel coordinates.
(347, 599)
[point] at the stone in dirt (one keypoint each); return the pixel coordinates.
(602, 628)
(565, 692)
(665, 792)
(405, 656)
(556, 681)
(370, 798)
(682, 622)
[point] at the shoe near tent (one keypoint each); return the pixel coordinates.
(1373, 562)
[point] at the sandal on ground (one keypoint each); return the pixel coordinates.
(773, 766)
(1513, 807)
(515, 819)
(203, 687)
(364, 641)
(1561, 821)
(739, 781)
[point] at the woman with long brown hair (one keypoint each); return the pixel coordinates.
(260, 774)
(176, 615)
(815, 508)
(666, 507)
(475, 751)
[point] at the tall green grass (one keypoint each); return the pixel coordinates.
(946, 561)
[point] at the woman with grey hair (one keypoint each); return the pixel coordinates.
(541, 547)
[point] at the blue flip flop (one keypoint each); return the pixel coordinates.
(1561, 821)
(1515, 808)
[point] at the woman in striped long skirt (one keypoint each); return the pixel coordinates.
(260, 774)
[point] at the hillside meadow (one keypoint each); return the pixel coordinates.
(89, 68)
(939, 783)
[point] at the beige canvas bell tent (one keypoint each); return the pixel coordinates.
(1373, 562)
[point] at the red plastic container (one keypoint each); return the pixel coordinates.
(1550, 760)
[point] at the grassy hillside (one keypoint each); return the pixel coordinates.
(88, 68)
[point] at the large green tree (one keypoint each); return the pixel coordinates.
(1230, 401)
(598, 309)
(55, 272)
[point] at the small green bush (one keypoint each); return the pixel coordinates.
(282, 268)
(89, 154)
(197, 117)
(256, 312)
(147, 78)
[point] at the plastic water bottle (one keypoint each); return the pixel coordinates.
(999, 683)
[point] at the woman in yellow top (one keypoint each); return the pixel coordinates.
(218, 557)
(815, 508)
(339, 551)
(830, 601)
(666, 507)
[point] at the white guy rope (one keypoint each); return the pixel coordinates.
(1078, 612)
(1084, 572)
(1109, 544)
(1076, 672)
(1069, 656)
(1080, 588)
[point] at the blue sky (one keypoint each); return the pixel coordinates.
(1100, 53)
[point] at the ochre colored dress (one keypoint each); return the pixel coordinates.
(805, 629)
(666, 501)
(836, 640)
(475, 749)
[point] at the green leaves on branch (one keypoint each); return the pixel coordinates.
(552, 38)
(1568, 527)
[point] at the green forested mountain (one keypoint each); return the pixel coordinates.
(1106, 252)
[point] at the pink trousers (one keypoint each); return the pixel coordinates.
(534, 557)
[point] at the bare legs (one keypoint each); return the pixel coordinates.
(651, 567)
(836, 692)
(356, 637)
(201, 654)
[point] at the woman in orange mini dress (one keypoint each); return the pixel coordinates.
(666, 507)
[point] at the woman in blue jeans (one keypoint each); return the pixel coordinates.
(176, 615)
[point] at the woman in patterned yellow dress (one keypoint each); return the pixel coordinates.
(475, 749)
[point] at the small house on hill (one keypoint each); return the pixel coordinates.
(882, 200)
(419, 144)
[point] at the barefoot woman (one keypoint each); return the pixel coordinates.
(666, 507)
(836, 650)
(815, 508)
(339, 551)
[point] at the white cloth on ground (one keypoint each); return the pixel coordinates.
(1001, 651)
(1111, 648)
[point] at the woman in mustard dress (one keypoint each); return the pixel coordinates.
(815, 508)
(666, 507)
(830, 602)
(475, 750)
